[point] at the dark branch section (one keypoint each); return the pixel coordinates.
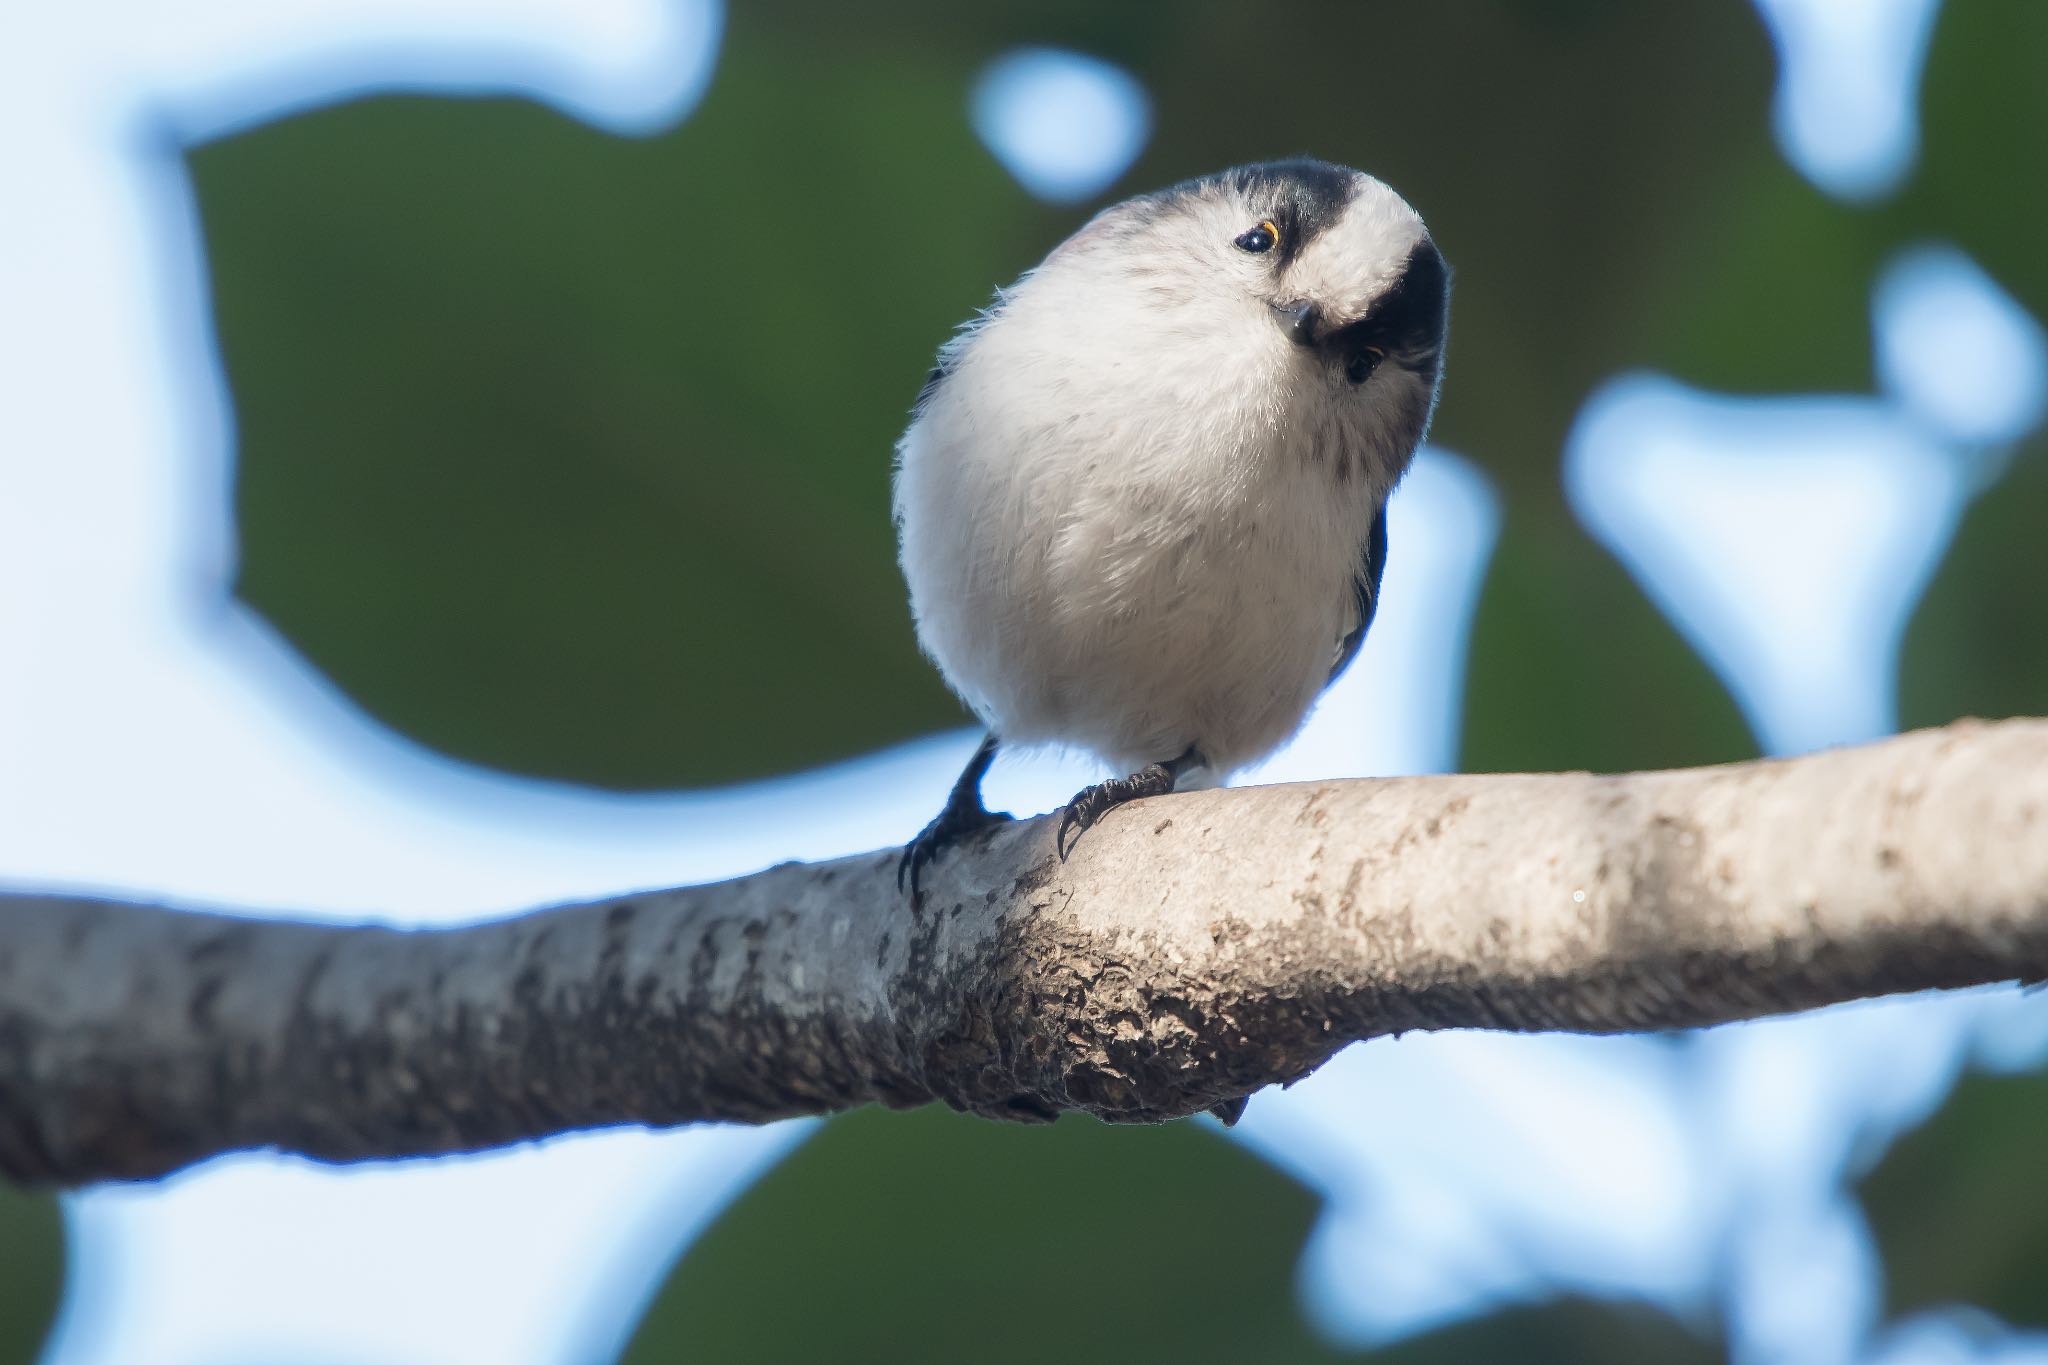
(205, 1033)
(1164, 970)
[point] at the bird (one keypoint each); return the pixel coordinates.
(1141, 501)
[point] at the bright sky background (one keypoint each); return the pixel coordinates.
(156, 737)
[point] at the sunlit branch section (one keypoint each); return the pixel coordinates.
(1192, 950)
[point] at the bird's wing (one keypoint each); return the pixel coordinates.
(1366, 586)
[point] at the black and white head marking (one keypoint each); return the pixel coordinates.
(1298, 203)
(1334, 255)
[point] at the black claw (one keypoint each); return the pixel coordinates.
(1090, 804)
(964, 815)
(949, 827)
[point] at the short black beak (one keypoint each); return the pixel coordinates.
(1300, 320)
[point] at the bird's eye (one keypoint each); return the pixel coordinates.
(1359, 368)
(1264, 237)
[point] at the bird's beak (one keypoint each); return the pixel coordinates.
(1300, 319)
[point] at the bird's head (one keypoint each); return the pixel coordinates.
(1294, 297)
(1300, 276)
(1344, 267)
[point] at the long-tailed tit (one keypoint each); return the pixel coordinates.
(1143, 496)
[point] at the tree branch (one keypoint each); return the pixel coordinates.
(1193, 948)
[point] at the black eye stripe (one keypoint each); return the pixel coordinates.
(1408, 321)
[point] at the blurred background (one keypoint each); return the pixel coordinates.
(444, 454)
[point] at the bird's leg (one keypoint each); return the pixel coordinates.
(963, 815)
(1090, 804)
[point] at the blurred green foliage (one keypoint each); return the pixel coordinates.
(1960, 1207)
(933, 1237)
(1978, 646)
(1979, 643)
(31, 1271)
(568, 454)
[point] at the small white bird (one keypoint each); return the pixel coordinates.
(1142, 499)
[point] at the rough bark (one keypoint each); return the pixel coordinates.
(1192, 949)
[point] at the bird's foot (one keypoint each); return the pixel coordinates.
(1090, 804)
(949, 827)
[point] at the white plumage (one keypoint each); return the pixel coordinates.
(1135, 502)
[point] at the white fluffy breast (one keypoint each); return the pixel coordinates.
(1133, 511)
